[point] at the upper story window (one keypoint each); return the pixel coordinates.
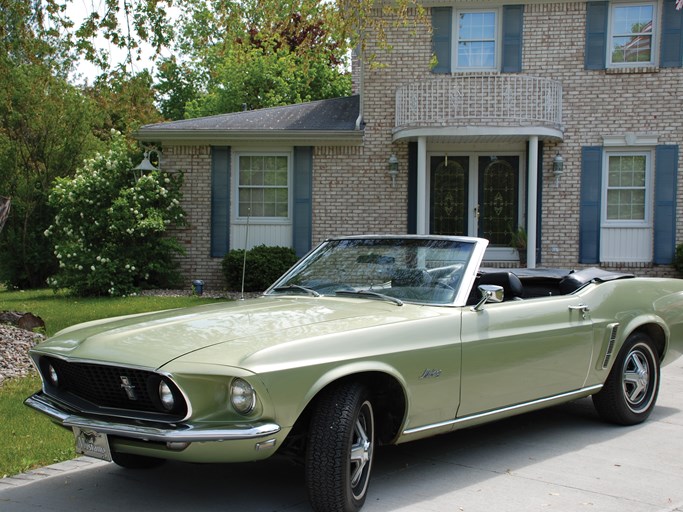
(632, 32)
(476, 40)
(263, 186)
(624, 36)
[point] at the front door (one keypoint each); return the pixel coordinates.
(475, 195)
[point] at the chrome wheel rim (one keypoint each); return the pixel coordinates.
(637, 378)
(362, 446)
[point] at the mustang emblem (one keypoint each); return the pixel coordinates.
(128, 387)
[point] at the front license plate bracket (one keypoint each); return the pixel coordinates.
(92, 444)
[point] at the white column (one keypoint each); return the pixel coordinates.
(531, 209)
(421, 216)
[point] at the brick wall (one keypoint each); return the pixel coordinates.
(352, 192)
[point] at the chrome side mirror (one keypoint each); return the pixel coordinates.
(489, 293)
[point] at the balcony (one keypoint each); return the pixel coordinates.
(480, 105)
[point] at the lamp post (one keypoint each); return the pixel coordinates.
(146, 165)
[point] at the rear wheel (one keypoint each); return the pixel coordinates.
(630, 391)
(340, 449)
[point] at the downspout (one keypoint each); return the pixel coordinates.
(361, 74)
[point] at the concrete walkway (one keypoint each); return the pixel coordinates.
(562, 459)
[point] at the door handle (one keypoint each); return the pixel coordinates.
(581, 308)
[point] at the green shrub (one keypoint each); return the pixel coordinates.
(110, 232)
(264, 265)
(678, 259)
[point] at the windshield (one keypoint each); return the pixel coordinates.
(423, 271)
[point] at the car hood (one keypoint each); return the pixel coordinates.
(241, 329)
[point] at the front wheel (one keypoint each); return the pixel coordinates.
(631, 389)
(340, 449)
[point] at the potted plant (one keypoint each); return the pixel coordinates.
(518, 240)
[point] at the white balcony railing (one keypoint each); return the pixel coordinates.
(509, 100)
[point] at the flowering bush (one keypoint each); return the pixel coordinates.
(110, 230)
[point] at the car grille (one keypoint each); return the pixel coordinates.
(106, 388)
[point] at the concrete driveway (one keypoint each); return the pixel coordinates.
(561, 459)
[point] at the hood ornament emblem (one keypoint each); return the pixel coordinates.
(128, 387)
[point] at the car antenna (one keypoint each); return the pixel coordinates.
(246, 245)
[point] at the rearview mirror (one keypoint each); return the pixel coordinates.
(489, 293)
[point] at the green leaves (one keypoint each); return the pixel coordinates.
(110, 232)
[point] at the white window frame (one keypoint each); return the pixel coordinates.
(646, 222)
(654, 49)
(456, 39)
(236, 187)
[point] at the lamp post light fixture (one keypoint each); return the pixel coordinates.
(558, 168)
(146, 165)
(393, 169)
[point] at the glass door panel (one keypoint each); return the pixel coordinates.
(498, 198)
(449, 190)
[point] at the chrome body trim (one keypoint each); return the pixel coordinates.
(143, 432)
(563, 397)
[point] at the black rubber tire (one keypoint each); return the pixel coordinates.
(631, 389)
(130, 461)
(340, 449)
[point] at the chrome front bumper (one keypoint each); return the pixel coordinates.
(178, 433)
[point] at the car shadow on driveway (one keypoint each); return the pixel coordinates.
(564, 458)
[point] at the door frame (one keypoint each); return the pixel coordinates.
(492, 253)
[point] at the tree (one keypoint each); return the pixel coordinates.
(261, 54)
(110, 229)
(125, 101)
(45, 131)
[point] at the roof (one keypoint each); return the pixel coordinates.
(316, 121)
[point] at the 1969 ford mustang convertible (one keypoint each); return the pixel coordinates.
(366, 341)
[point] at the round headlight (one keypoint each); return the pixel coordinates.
(52, 376)
(242, 396)
(166, 396)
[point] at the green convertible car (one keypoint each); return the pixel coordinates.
(367, 340)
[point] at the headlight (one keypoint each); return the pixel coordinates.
(166, 396)
(242, 396)
(53, 376)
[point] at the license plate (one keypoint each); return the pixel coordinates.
(91, 443)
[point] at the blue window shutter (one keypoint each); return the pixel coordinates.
(672, 36)
(596, 35)
(666, 179)
(302, 215)
(591, 193)
(412, 188)
(220, 201)
(513, 28)
(442, 32)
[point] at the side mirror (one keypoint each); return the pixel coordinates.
(489, 293)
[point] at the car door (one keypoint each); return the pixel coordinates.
(517, 351)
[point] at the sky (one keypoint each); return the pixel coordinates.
(86, 71)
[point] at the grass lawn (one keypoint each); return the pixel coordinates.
(28, 439)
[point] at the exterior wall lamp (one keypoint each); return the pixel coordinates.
(393, 169)
(146, 165)
(558, 168)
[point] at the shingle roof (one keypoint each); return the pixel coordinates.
(323, 118)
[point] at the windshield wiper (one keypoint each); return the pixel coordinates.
(290, 287)
(368, 293)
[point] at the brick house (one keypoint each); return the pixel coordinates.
(471, 145)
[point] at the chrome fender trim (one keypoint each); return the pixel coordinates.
(179, 433)
(480, 417)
